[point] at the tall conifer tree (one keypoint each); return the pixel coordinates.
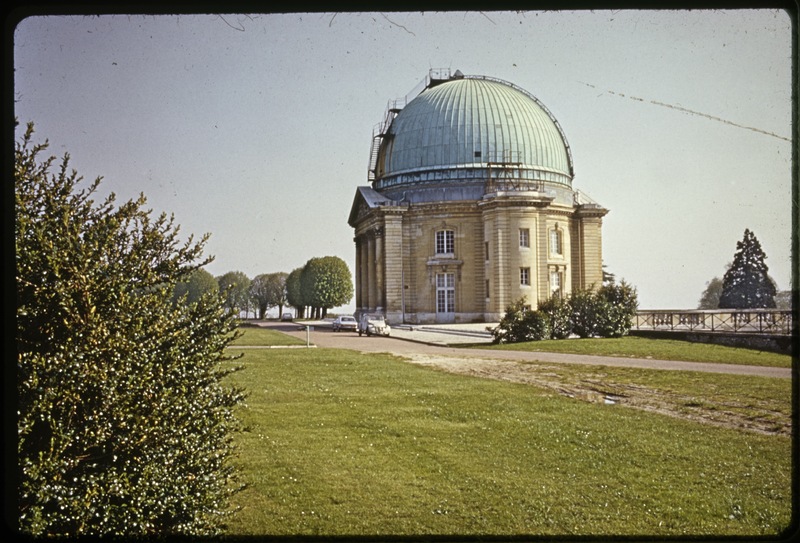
(746, 284)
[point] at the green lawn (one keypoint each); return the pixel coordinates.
(253, 336)
(730, 400)
(342, 443)
(658, 349)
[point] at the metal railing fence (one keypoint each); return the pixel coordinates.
(744, 321)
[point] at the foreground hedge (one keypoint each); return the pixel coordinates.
(124, 424)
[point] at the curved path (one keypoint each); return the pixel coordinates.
(323, 336)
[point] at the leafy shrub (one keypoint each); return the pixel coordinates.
(607, 312)
(538, 326)
(559, 317)
(584, 309)
(616, 307)
(124, 421)
(520, 323)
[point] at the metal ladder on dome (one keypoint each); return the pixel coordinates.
(373, 156)
(381, 131)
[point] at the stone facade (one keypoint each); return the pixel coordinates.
(402, 273)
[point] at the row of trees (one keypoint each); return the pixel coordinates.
(240, 293)
(322, 283)
(605, 312)
(258, 295)
(746, 283)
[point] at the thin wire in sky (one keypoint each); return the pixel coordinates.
(689, 111)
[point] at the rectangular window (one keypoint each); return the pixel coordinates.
(555, 242)
(524, 237)
(555, 283)
(445, 242)
(487, 288)
(486, 251)
(524, 276)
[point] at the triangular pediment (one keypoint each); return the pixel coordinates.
(365, 201)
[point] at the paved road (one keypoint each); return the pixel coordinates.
(421, 342)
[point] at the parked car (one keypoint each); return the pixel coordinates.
(373, 325)
(345, 322)
(287, 317)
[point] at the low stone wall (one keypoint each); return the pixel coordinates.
(763, 342)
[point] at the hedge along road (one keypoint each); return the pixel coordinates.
(323, 336)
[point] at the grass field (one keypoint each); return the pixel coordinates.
(343, 443)
(658, 349)
(254, 336)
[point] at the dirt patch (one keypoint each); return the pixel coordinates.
(586, 388)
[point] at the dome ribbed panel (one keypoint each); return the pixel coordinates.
(444, 127)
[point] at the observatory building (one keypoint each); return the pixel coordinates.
(470, 206)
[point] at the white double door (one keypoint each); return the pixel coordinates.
(445, 297)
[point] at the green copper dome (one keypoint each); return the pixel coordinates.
(455, 131)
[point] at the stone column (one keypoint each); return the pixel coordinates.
(364, 272)
(393, 275)
(372, 295)
(359, 281)
(503, 279)
(379, 270)
(542, 272)
(588, 222)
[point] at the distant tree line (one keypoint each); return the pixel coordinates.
(321, 284)
(240, 294)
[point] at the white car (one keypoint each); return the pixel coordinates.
(373, 325)
(345, 322)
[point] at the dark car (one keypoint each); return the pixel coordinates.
(287, 317)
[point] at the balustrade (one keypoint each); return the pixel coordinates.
(757, 321)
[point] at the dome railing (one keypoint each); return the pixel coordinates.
(505, 177)
(512, 185)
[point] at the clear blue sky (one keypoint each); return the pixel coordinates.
(256, 128)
